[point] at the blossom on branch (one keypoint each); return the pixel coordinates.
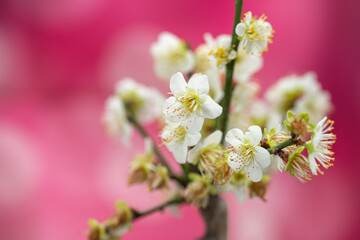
(245, 153)
(255, 34)
(171, 55)
(190, 102)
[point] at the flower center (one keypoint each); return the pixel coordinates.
(176, 135)
(190, 101)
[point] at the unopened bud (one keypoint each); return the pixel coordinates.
(138, 175)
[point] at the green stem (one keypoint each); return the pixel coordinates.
(144, 134)
(281, 145)
(158, 208)
(230, 71)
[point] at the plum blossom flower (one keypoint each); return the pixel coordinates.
(319, 147)
(115, 119)
(255, 34)
(246, 65)
(207, 153)
(144, 103)
(190, 103)
(205, 65)
(177, 140)
(298, 165)
(299, 94)
(171, 55)
(221, 50)
(244, 152)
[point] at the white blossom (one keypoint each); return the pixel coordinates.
(319, 147)
(190, 102)
(244, 152)
(246, 65)
(171, 55)
(145, 103)
(177, 140)
(255, 33)
(220, 49)
(205, 65)
(300, 94)
(115, 119)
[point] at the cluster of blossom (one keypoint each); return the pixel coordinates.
(265, 134)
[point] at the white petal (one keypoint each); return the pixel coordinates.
(253, 135)
(278, 162)
(215, 137)
(192, 138)
(312, 164)
(240, 193)
(262, 157)
(235, 162)
(194, 153)
(177, 83)
(240, 29)
(180, 152)
(167, 105)
(254, 172)
(194, 123)
(234, 136)
(200, 83)
(210, 108)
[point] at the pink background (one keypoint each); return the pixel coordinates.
(59, 60)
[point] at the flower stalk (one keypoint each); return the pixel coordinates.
(230, 71)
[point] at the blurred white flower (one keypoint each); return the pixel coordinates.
(246, 65)
(191, 102)
(299, 94)
(171, 55)
(177, 140)
(221, 50)
(205, 65)
(255, 33)
(244, 152)
(115, 119)
(145, 103)
(319, 147)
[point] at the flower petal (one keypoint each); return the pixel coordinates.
(234, 136)
(253, 135)
(211, 109)
(254, 172)
(235, 161)
(262, 157)
(215, 137)
(193, 154)
(278, 162)
(313, 164)
(240, 193)
(194, 123)
(177, 83)
(192, 138)
(180, 152)
(173, 113)
(240, 29)
(200, 83)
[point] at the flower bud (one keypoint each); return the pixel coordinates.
(97, 231)
(120, 222)
(159, 178)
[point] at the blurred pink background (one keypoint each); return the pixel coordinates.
(59, 60)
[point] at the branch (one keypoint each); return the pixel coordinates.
(138, 215)
(229, 71)
(143, 133)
